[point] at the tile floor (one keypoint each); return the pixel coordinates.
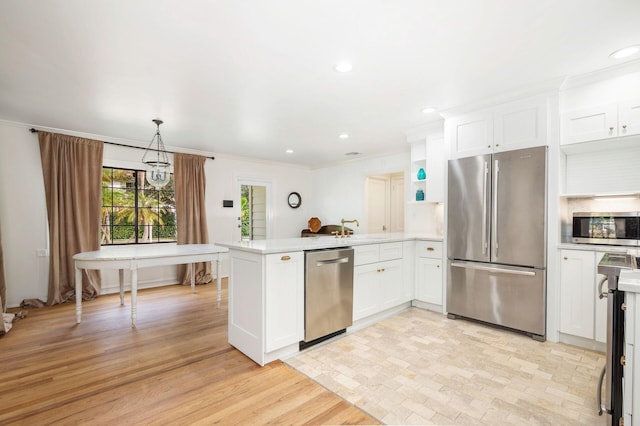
(419, 367)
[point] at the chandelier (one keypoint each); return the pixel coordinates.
(156, 160)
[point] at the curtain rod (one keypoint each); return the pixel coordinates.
(32, 130)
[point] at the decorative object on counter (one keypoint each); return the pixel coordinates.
(419, 195)
(422, 175)
(294, 200)
(227, 203)
(158, 167)
(314, 224)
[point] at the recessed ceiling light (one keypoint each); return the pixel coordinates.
(344, 136)
(289, 151)
(428, 110)
(626, 52)
(344, 67)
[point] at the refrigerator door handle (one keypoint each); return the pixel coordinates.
(494, 223)
(492, 269)
(485, 246)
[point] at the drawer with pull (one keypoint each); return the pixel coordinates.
(432, 249)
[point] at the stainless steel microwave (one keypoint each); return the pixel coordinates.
(621, 229)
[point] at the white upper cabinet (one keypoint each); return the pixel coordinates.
(629, 118)
(601, 122)
(521, 124)
(436, 161)
(470, 134)
(514, 125)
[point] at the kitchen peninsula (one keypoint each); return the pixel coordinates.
(266, 285)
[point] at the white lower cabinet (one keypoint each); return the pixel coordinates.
(266, 303)
(377, 281)
(577, 298)
(582, 312)
(284, 300)
(428, 286)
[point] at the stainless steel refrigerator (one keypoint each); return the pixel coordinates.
(496, 239)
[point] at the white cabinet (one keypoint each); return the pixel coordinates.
(470, 134)
(514, 125)
(601, 122)
(435, 163)
(583, 313)
(284, 300)
(428, 285)
(377, 279)
(266, 303)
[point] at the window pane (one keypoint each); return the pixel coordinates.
(123, 234)
(152, 217)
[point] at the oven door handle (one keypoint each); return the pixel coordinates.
(601, 294)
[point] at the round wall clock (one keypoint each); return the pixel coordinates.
(294, 200)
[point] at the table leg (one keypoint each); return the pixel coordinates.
(193, 278)
(78, 295)
(218, 278)
(134, 296)
(121, 277)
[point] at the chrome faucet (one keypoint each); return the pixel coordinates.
(348, 233)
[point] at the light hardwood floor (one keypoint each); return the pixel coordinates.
(176, 367)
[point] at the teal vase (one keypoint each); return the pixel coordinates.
(419, 195)
(422, 175)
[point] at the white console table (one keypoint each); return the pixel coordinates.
(133, 257)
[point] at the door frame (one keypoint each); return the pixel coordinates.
(252, 181)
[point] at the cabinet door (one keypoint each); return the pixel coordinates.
(391, 285)
(629, 118)
(577, 302)
(521, 124)
(600, 331)
(434, 184)
(284, 300)
(590, 124)
(366, 290)
(429, 280)
(471, 134)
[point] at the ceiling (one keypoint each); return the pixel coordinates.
(254, 77)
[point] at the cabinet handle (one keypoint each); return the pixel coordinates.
(623, 360)
(611, 129)
(380, 270)
(285, 258)
(624, 126)
(488, 146)
(566, 258)
(497, 145)
(430, 249)
(437, 266)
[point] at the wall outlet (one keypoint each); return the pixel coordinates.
(42, 252)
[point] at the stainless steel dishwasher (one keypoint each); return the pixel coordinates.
(328, 294)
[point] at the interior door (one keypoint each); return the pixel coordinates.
(468, 212)
(377, 204)
(519, 207)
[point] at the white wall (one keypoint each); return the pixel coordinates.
(340, 191)
(24, 220)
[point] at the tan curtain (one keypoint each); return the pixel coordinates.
(72, 171)
(191, 216)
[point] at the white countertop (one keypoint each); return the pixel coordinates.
(321, 242)
(598, 247)
(629, 280)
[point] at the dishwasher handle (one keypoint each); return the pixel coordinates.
(332, 261)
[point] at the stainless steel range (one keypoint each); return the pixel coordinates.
(610, 266)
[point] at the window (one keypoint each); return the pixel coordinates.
(134, 212)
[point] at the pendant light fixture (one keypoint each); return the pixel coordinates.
(156, 160)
